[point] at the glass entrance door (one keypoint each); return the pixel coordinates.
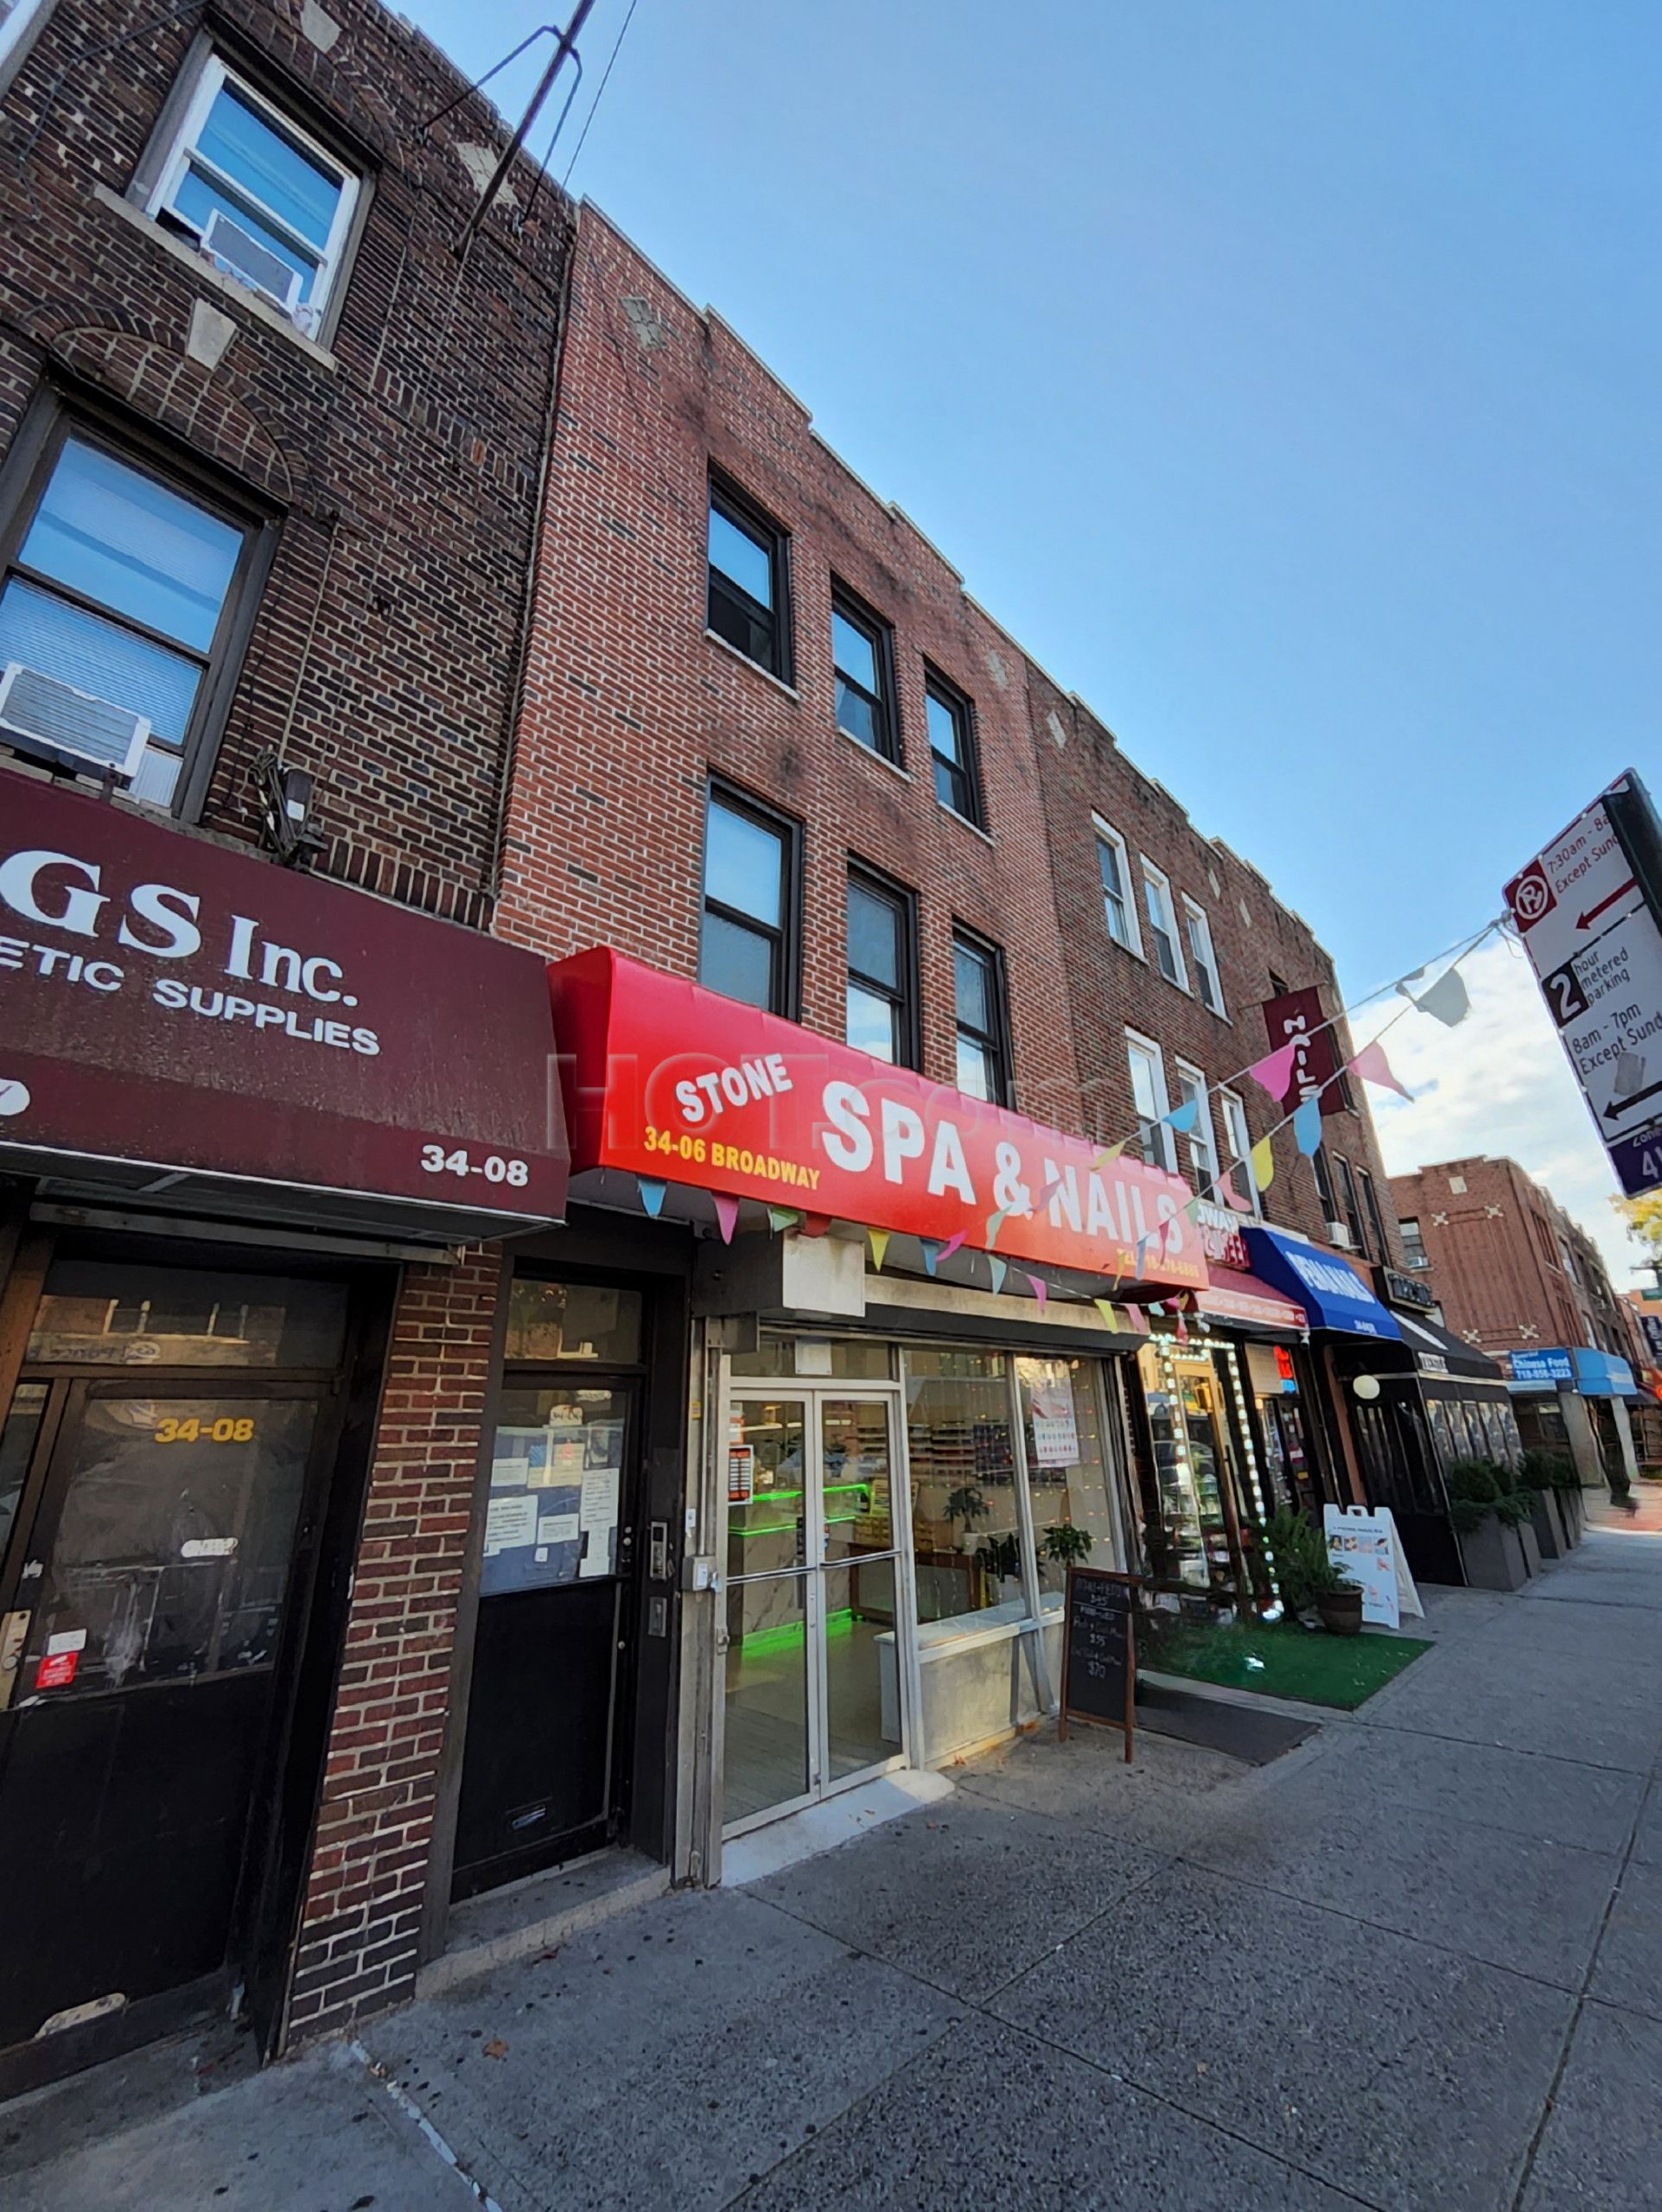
(816, 1597)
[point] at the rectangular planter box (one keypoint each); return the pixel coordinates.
(1525, 1536)
(1550, 1532)
(1575, 1518)
(1493, 1557)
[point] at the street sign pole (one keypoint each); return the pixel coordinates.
(1589, 911)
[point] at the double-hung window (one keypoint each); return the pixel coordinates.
(747, 948)
(1154, 1139)
(1201, 959)
(1162, 925)
(1413, 1244)
(883, 1000)
(1202, 1144)
(263, 200)
(115, 614)
(1323, 1175)
(748, 600)
(951, 747)
(862, 659)
(1347, 1200)
(1372, 1217)
(1238, 1146)
(984, 1070)
(1114, 869)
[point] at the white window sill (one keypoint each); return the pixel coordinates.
(754, 666)
(203, 273)
(866, 753)
(964, 821)
(999, 1624)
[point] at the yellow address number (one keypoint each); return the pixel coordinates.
(228, 1429)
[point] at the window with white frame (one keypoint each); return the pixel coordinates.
(1237, 1146)
(1118, 906)
(1162, 925)
(263, 200)
(1154, 1139)
(1202, 1144)
(1201, 958)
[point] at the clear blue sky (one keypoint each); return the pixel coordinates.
(1283, 373)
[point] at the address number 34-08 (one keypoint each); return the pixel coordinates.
(493, 1167)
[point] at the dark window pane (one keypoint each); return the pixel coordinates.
(874, 935)
(744, 864)
(1108, 860)
(944, 735)
(115, 1314)
(873, 1021)
(854, 653)
(732, 617)
(952, 788)
(740, 554)
(736, 961)
(974, 1007)
(561, 1320)
(857, 715)
(119, 538)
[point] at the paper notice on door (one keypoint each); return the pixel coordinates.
(510, 1520)
(597, 1515)
(1055, 1425)
(558, 1527)
(520, 1458)
(67, 1639)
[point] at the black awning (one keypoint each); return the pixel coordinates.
(1429, 1337)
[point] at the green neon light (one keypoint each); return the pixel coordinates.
(764, 1643)
(829, 1488)
(790, 1527)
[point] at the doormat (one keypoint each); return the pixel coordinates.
(1286, 1662)
(1256, 1737)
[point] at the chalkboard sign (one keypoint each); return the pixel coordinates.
(1100, 1651)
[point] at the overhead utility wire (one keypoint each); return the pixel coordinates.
(605, 80)
(567, 44)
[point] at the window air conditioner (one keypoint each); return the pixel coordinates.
(239, 255)
(1338, 1234)
(45, 711)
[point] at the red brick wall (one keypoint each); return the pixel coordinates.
(1082, 773)
(362, 1912)
(630, 706)
(384, 656)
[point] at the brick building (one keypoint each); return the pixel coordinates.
(1517, 1277)
(273, 413)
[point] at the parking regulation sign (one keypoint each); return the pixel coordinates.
(1588, 913)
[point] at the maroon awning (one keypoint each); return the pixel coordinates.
(180, 1015)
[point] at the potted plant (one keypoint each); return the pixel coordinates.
(1338, 1599)
(1515, 1509)
(1066, 1545)
(1491, 1551)
(1285, 1539)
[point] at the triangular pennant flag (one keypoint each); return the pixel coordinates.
(1110, 1152)
(1274, 1069)
(1446, 1000)
(1307, 1126)
(1048, 1193)
(1040, 1291)
(931, 1254)
(727, 1215)
(1182, 1118)
(1263, 1163)
(878, 1240)
(815, 1224)
(995, 1223)
(782, 1218)
(652, 1196)
(1138, 1317)
(951, 1246)
(997, 1269)
(1181, 1330)
(1372, 1065)
(1228, 1192)
(1141, 1263)
(1105, 1307)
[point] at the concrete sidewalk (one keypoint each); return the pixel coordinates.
(1417, 1963)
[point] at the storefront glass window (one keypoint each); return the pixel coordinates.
(1189, 1540)
(22, 1426)
(95, 1313)
(556, 1484)
(965, 1523)
(574, 1321)
(1066, 1475)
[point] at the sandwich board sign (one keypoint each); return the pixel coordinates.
(1366, 1547)
(1588, 913)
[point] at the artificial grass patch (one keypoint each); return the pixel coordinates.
(1291, 1661)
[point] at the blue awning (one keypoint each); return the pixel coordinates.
(1334, 1294)
(1595, 1374)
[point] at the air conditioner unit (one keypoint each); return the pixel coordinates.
(79, 725)
(1338, 1234)
(240, 254)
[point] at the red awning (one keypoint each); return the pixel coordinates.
(1234, 1295)
(681, 1085)
(179, 1014)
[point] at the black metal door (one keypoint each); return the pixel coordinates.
(544, 1776)
(139, 1676)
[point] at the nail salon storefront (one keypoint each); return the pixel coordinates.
(897, 1438)
(236, 1104)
